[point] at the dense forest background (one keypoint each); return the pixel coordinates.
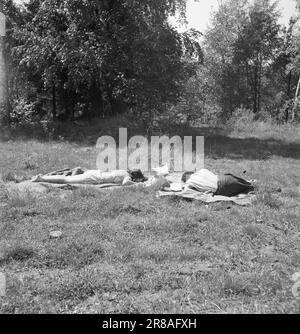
(87, 59)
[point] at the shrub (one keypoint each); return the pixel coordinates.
(23, 112)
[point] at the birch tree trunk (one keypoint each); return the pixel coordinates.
(296, 102)
(3, 82)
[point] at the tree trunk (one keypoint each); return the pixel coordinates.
(3, 76)
(296, 102)
(259, 84)
(288, 93)
(53, 102)
(256, 86)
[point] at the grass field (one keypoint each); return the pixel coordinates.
(128, 252)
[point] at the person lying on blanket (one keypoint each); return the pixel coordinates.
(207, 182)
(92, 177)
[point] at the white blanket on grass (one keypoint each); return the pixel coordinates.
(242, 199)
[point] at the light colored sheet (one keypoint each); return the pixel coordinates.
(242, 200)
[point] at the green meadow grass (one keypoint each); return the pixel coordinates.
(127, 251)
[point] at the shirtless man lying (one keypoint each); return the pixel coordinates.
(92, 177)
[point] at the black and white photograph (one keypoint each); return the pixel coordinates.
(149, 160)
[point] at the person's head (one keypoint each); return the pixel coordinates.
(137, 176)
(186, 176)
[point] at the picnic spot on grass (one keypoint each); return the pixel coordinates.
(127, 251)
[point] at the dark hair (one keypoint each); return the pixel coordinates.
(137, 176)
(186, 176)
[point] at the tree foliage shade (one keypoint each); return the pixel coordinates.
(251, 57)
(99, 56)
(70, 58)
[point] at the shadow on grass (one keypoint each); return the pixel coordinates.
(217, 147)
(219, 143)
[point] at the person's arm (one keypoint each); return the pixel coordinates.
(127, 181)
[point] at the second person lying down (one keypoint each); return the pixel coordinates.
(205, 181)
